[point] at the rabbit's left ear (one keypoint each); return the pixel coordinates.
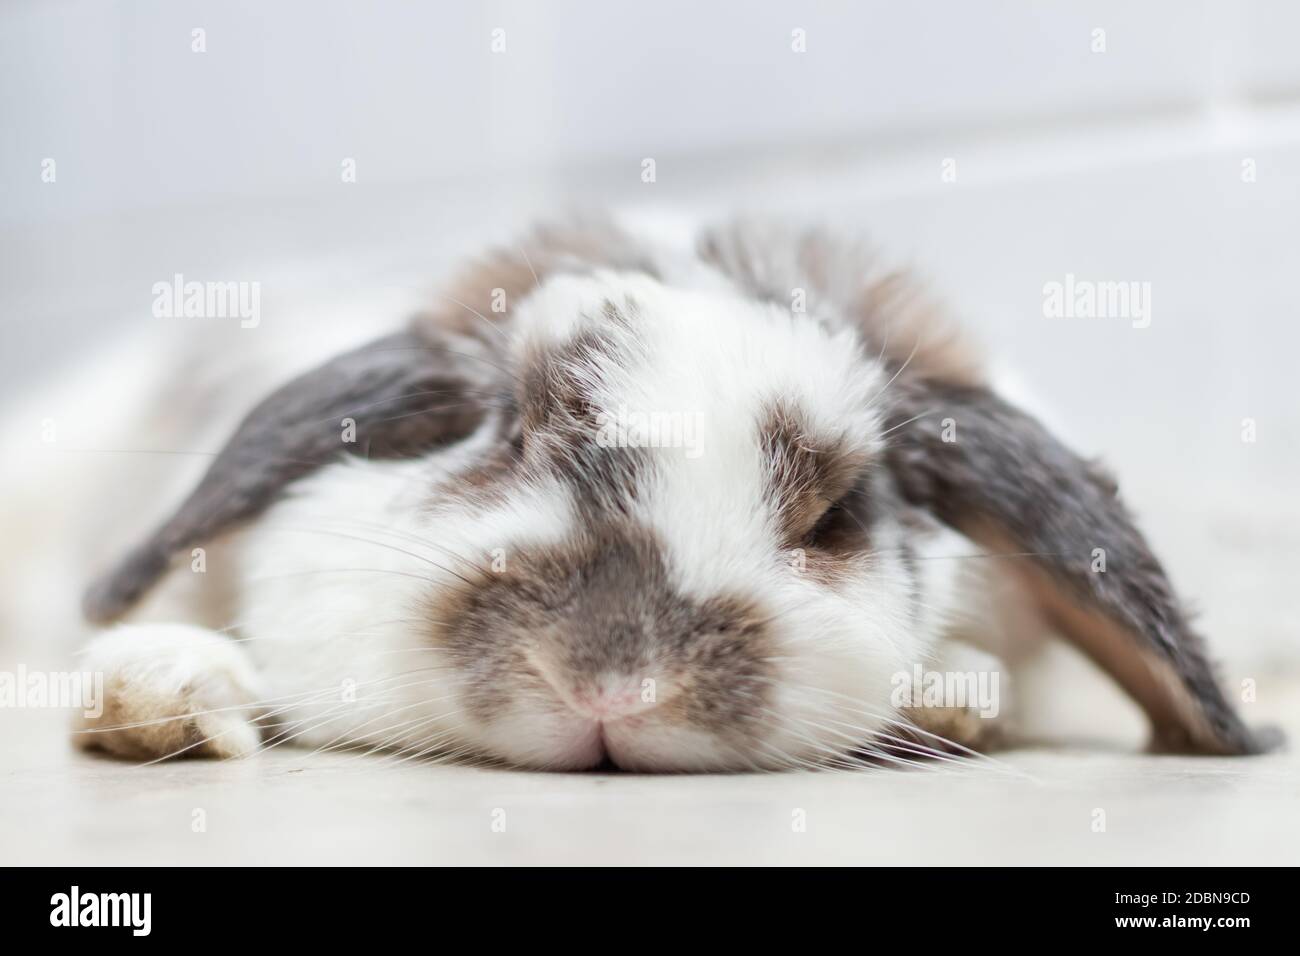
(395, 397)
(995, 474)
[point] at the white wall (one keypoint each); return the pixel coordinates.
(227, 163)
(412, 91)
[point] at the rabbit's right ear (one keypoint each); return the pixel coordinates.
(989, 470)
(396, 397)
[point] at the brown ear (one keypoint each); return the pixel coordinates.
(1005, 482)
(406, 393)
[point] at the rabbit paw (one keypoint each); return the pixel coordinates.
(169, 690)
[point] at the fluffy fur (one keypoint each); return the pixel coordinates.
(654, 514)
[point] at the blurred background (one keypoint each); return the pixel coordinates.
(354, 152)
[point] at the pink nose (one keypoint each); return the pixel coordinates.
(610, 698)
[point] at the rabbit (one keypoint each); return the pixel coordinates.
(636, 501)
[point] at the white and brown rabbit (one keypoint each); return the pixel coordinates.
(620, 501)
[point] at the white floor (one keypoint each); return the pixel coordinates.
(1164, 405)
(1036, 806)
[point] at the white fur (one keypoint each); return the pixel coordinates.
(725, 360)
(172, 689)
(332, 588)
(336, 584)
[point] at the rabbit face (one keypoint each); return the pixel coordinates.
(721, 582)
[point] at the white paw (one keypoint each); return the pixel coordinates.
(170, 690)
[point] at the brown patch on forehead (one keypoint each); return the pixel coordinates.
(561, 425)
(808, 470)
(603, 602)
(553, 398)
(553, 393)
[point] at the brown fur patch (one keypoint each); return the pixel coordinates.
(561, 426)
(578, 245)
(819, 487)
(807, 472)
(603, 603)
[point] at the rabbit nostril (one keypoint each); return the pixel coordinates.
(612, 699)
(609, 697)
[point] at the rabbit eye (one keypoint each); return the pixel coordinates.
(832, 517)
(808, 469)
(844, 524)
